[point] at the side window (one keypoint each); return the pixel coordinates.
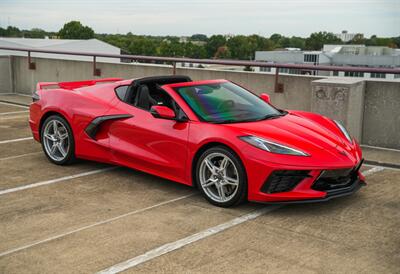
(147, 95)
(161, 97)
(121, 92)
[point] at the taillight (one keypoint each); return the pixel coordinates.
(35, 96)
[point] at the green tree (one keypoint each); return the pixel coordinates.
(13, 32)
(142, 45)
(199, 37)
(171, 49)
(260, 43)
(238, 47)
(318, 39)
(3, 32)
(223, 52)
(214, 43)
(194, 51)
(358, 39)
(75, 30)
(381, 41)
(276, 37)
(35, 33)
(267, 44)
(396, 40)
(297, 42)
(244, 47)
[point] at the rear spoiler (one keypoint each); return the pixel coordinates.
(74, 85)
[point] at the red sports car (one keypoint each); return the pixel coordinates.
(230, 143)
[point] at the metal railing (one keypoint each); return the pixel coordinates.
(173, 60)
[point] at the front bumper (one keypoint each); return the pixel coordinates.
(288, 184)
(330, 194)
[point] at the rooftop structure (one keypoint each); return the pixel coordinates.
(90, 45)
(345, 36)
(338, 55)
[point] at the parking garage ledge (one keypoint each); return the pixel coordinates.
(381, 156)
(16, 99)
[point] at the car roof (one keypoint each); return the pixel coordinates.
(161, 80)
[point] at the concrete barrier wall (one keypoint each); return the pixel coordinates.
(381, 125)
(5, 75)
(53, 70)
(295, 95)
(380, 100)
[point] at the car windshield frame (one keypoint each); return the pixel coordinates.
(257, 110)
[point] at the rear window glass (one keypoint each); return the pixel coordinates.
(121, 92)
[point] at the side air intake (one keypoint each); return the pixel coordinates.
(284, 180)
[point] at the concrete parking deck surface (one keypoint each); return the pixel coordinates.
(89, 217)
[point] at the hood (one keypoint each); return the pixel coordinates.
(308, 132)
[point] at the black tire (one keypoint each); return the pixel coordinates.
(241, 194)
(70, 157)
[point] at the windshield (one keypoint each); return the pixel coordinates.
(226, 103)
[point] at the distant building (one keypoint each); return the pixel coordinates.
(335, 55)
(198, 43)
(229, 36)
(346, 37)
(183, 39)
(89, 46)
(186, 39)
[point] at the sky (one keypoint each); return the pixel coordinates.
(187, 17)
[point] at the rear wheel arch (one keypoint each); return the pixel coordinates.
(48, 114)
(67, 143)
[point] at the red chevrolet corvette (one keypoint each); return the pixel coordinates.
(230, 143)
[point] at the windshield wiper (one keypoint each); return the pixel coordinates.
(229, 121)
(272, 116)
(266, 117)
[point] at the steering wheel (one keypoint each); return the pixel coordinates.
(225, 104)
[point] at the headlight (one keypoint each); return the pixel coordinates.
(272, 146)
(344, 130)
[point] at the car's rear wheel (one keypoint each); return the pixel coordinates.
(221, 177)
(57, 140)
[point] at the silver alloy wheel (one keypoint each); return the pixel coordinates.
(219, 177)
(56, 140)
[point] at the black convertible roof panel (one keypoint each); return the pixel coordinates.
(162, 80)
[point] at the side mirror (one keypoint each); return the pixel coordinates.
(162, 112)
(265, 97)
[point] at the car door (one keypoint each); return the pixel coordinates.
(153, 145)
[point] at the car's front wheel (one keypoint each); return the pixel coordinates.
(57, 140)
(221, 177)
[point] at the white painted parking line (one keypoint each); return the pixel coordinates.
(92, 225)
(14, 112)
(19, 156)
(161, 250)
(15, 140)
(57, 180)
(14, 117)
(14, 105)
(373, 170)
